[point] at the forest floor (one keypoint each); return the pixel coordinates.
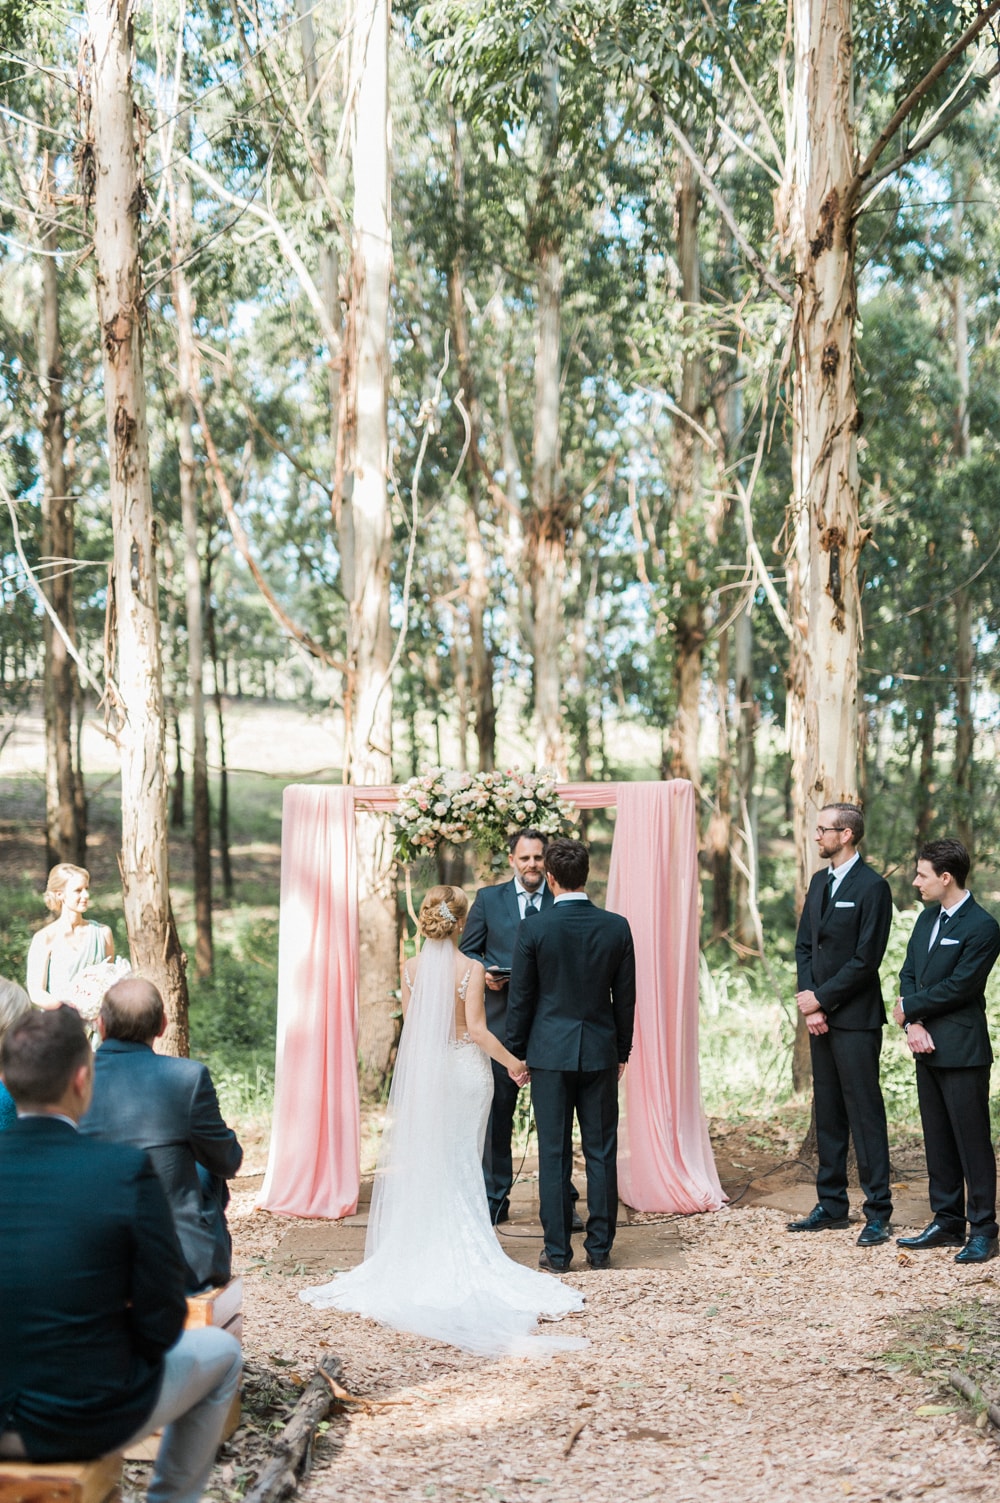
(726, 1360)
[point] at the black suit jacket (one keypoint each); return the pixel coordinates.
(572, 989)
(169, 1107)
(91, 1289)
(945, 988)
(489, 935)
(838, 953)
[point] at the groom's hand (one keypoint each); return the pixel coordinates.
(521, 1075)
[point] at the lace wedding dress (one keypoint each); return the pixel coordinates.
(432, 1264)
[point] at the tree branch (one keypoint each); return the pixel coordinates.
(916, 94)
(718, 199)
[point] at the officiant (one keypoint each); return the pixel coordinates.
(490, 933)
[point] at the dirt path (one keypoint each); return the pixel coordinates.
(750, 1367)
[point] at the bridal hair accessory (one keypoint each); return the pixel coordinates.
(446, 913)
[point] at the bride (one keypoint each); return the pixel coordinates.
(432, 1264)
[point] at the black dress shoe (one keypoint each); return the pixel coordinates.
(555, 1265)
(931, 1236)
(819, 1220)
(979, 1250)
(576, 1224)
(875, 1231)
(603, 1261)
(498, 1216)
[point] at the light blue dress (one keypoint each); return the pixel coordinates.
(8, 1111)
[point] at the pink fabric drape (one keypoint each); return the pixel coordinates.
(313, 1165)
(665, 1160)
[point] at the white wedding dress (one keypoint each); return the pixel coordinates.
(432, 1264)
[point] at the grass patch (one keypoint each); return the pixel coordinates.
(962, 1337)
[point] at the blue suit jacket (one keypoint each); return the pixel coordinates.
(169, 1107)
(91, 1289)
(490, 934)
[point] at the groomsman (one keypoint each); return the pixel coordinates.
(942, 1006)
(490, 932)
(570, 1015)
(841, 939)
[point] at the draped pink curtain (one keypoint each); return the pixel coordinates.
(665, 1160)
(313, 1165)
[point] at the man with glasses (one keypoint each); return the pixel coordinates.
(841, 939)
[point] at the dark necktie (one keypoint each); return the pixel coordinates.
(827, 892)
(530, 906)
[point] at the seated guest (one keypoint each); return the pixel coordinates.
(14, 1005)
(169, 1107)
(94, 1356)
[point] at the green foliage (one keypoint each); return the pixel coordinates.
(234, 1011)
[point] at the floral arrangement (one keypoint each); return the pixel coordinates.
(90, 984)
(483, 808)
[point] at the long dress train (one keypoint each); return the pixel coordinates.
(432, 1264)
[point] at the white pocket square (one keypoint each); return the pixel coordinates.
(951, 941)
(843, 905)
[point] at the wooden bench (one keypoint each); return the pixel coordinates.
(61, 1481)
(222, 1307)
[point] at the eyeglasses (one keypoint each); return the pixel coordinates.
(829, 829)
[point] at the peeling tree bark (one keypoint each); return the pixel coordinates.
(135, 707)
(366, 535)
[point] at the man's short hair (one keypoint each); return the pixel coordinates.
(849, 817)
(947, 855)
(41, 1053)
(529, 834)
(569, 862)
(132, 1011)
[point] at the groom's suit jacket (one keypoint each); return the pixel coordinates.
(91, 1289)
(838, 953)
(169, 1107)
(489, 935)
(944, 987)
(572, 989)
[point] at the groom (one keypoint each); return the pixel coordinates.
(570, 1014)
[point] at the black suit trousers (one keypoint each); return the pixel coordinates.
(848, 1097)
(593, 1096)
(955, 1116)
(498, 1166)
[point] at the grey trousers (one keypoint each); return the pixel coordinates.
(201, 1373)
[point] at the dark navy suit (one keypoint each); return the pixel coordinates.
(571, 1015)
(169, 1107)
(943, 987)
(91, 1289)
(489, 935)
(838, 953)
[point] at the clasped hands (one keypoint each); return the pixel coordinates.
(521, 1075)
(812, 1010)
(917, 1037)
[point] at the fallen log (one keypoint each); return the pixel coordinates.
(280, 1476)
(975, 1395)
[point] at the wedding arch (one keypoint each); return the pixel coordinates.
(665, 1159)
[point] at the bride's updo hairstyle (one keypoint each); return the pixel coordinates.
(442, 912)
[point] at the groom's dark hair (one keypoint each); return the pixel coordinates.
(513, 841)
(569, 863)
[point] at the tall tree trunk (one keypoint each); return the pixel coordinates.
(686, 488)
(747, 716)
(366, 535)
(329, 258)
(181, 212)
(547, 520)
(135, 681)
(218, 678)
(66, 832)
(824, 525)
(965, 652)
(818, 230)
(477, 562)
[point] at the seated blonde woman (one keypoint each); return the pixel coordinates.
(14, 1005)
(60, 952)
